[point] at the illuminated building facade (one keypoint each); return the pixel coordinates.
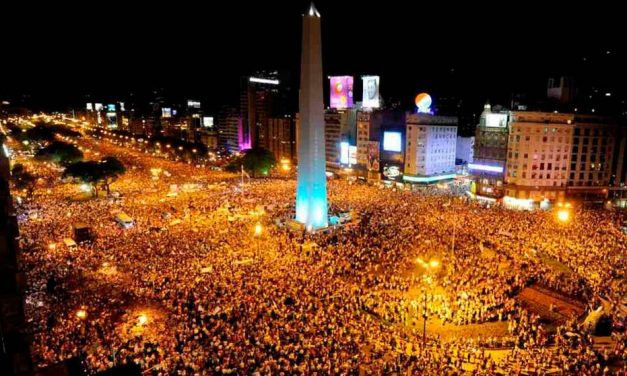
(311, 193)
(430, 147)
(538, 155)
(490, 154)
(279, 137)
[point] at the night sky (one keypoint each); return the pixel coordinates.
(59, 53)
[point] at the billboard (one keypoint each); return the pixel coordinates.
(90, 107)
(496, 120)
(112, 120)
(373, 156)
(391, 172)
(98, 107)
(344, 152)
(392, 141)
(352, 155)
(341, 91)
(166, 112)
(207, 122)
(423, 103)
(111, 107)
(193, 104)
(370, 97)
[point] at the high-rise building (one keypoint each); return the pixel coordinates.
(363, 137)
(261, 97)
(280, 137)
(311, 193)
(430, 148)
(229, 125)
(490, 154)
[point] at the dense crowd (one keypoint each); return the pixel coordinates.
(192, 289)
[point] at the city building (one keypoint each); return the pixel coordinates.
(464, 150)
(490, 154)
(311, 191)
(430, 148)
(229, 125)
(15, 357)
(262, 96)
(538, 157)
(561, 89)
(280, 137)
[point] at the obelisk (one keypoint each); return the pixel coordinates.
(311, 191)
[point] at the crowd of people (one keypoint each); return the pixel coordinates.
(192, 288)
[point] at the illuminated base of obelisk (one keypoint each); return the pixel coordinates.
(311, 192)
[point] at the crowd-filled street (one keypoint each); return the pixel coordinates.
(209, 280)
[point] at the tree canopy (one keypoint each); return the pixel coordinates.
(257, 161)
(61, 153)
(95, 173)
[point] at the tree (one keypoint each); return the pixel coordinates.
(40, 133)
(95, 173)
(60, 153)
(257, 161)
(111, 168)
(23, 179)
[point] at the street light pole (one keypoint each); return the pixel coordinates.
(424, 328)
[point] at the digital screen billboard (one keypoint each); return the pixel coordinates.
(370, 97)
(341, 92)
(111, 107)
(112, 120)
(90, 107)
(166, 112)
(392, 141)
(98, 107)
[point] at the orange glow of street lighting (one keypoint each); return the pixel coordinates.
(81, 314)
(434, 263)
(563, 215)
(258, 229)
(142, 319)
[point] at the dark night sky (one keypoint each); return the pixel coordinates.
(58, 53)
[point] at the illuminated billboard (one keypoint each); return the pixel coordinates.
(373, 156)
(193, 104)
(391, 172)
(352, 155)
(98, 107)
(392, 141)
(90, 107)
(166, 112)
(496, 120)
(341, 92)
(112, 120)
(344, 152)
(207, 122)
(111, 107)
(370, 97)
(423, 103)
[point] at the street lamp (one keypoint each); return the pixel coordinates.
(563, 215)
